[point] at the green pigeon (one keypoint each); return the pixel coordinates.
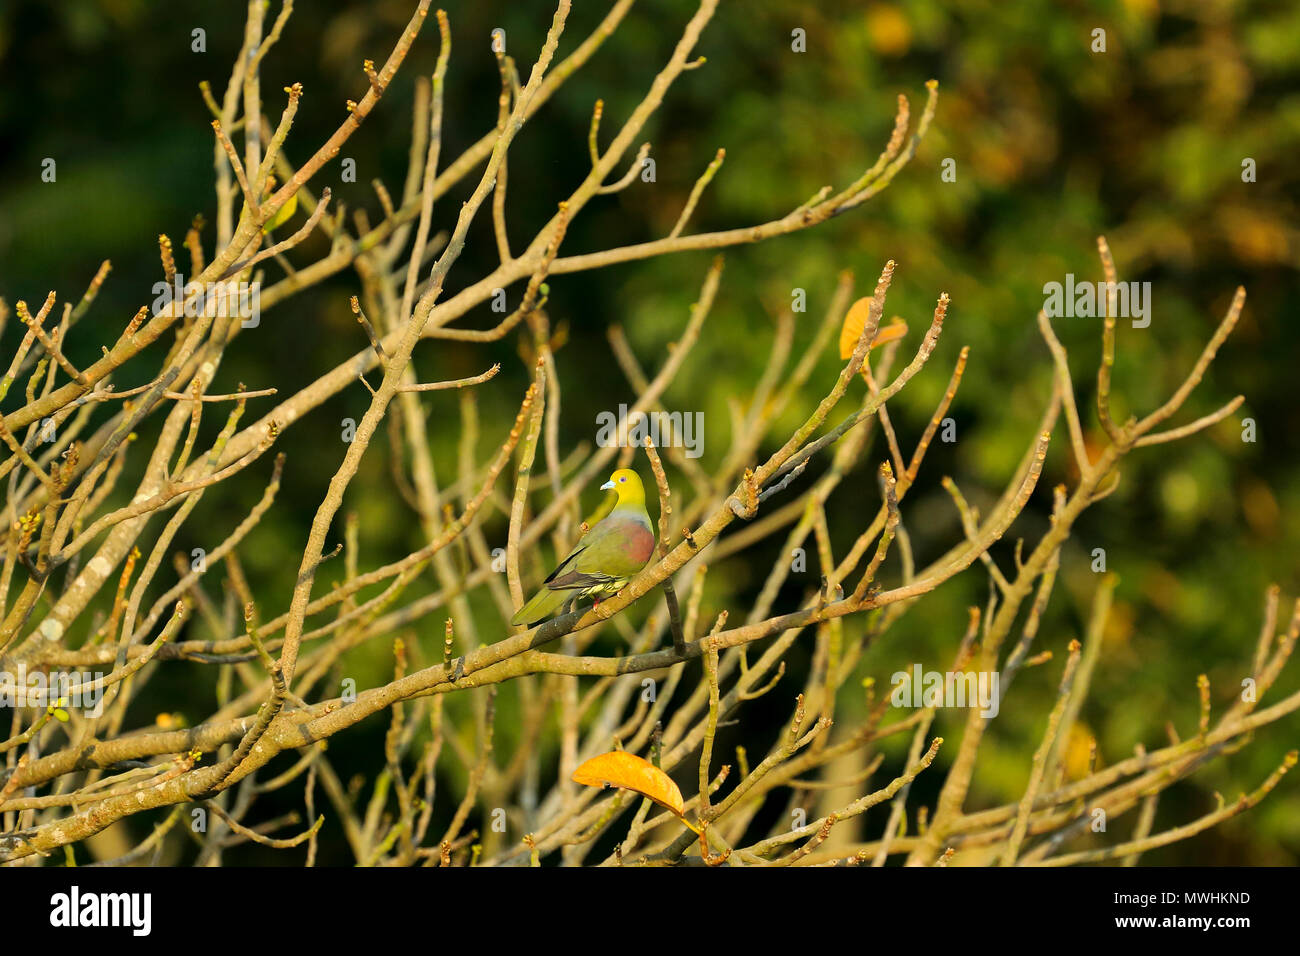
(605, 559)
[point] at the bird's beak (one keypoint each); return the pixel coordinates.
(606, 486)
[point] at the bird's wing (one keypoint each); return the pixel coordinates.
(618, 547)
(569, 576)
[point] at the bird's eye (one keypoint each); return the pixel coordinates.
(622, 479)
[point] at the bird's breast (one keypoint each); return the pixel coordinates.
(641, 544)
(636, 543)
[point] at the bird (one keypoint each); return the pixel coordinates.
(605, 559)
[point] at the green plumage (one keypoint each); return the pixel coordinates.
(607, 557)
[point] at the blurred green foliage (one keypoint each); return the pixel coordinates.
(1053, 144)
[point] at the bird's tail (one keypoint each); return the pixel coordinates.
(542, 605)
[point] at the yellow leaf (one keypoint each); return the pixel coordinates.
(282, 215)
(1078, 756)
(856, 321)
(618, 768)
(888, 29)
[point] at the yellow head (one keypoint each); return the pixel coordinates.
(626, 483)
